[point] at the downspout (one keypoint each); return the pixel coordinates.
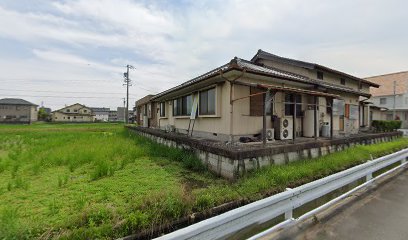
(231, 137)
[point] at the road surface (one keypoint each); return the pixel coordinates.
(379, 213)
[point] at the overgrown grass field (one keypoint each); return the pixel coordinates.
(100, 181)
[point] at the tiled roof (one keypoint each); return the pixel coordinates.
(266, 55)
(143, 100)
(295, 77)
(386, 83)
(16, 101)
(248, 66)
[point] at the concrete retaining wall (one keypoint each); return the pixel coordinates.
(234, 165)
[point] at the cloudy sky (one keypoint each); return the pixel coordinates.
(62, 52)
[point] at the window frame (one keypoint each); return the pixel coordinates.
(201, 95)
(289, 104)
(343, 81)
(181, 106)
(383, 102)
(162, 106)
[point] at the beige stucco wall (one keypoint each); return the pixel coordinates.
(218, 123)
(243, 123)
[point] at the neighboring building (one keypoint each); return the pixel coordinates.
(73, 113)
(101, 114)
(121, 114)
(15, 110)
(231, 98)
(146, 112)
(384, 95)
(113, 116)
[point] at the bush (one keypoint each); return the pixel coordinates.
(386, 126)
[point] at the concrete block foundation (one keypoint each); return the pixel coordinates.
(230, 162)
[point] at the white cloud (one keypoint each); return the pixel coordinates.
(168, 44)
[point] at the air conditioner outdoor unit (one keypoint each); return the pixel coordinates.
(270, 134)
(284, 128)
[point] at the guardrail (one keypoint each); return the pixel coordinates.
(284, 203)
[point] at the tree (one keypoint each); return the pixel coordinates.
(43, 115)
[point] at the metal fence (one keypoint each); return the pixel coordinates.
(269, 208)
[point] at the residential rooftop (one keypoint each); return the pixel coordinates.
(16, 101)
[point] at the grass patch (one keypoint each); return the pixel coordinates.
(99, 181)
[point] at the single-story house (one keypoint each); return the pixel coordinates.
(16, 110)
(73, 113)
(146, 112)
(271, 96)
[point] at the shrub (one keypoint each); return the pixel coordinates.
(386, 126)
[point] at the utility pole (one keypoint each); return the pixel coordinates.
(127, 83)
(124, 110)
(393, 111)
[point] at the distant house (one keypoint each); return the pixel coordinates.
(121, 114)
(384, 96)
(146, 112)
(73, 113)
(15, 110)
(113, 116)
(101, 114)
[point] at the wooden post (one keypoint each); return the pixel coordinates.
(231, 137)
(294, 117)
(331, 119)
(264, 120)
(315, 117)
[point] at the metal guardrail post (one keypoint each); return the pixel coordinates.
(289, 212)
(369, 177)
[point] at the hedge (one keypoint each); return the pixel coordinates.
(386, 126)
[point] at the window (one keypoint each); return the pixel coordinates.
(145, 110)
(360, 85)
(162, 109)
(69, 117)
(182, 106)
(289, 100)
(85, 111)
(177, 107)
(68, 110)
(342, 81)
(256, 103)
(186, 105)
(207, 102)
(319, 75)
(383, 100)
(75, 110)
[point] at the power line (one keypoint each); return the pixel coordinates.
(19, 90)
(45, 96)
(58, 80)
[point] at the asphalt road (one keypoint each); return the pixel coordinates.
(380, 213)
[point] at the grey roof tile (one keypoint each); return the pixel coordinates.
(16, 101)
